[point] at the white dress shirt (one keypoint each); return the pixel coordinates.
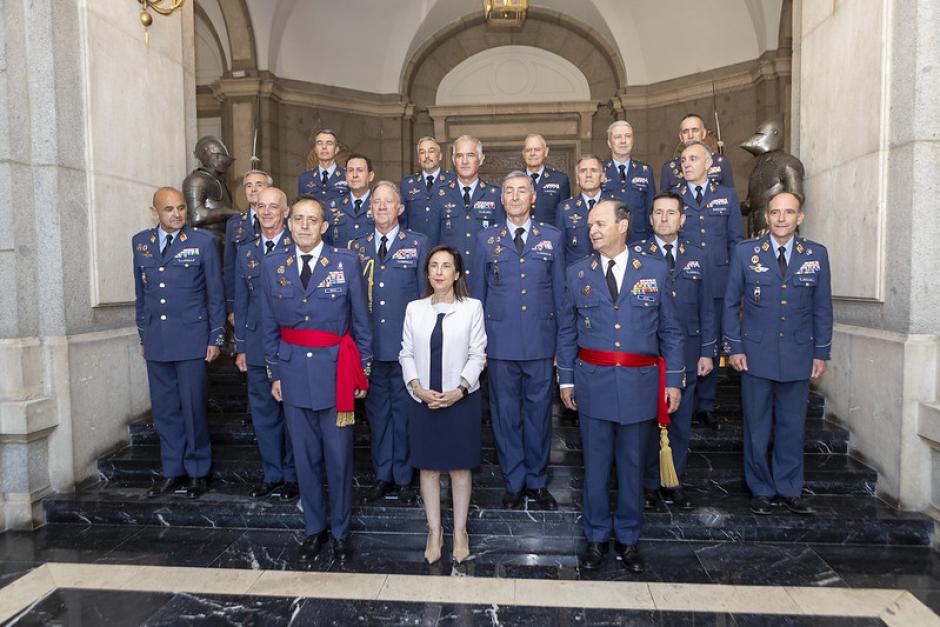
(313, 262)
(620, 266)
(390, 237)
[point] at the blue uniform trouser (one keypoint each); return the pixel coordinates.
(318, 442)
(178, 395)
(606, 443)
(387, 412)
(521, 409)
(267, 417)
(707, 386)
(773, 410)
(679, 429)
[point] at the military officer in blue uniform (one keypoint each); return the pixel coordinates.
(240, 229)
(712, 224)
(617, 322)
(629, 180)
(181, 321)
(418, 190)
(328, 180)
(318, 347)
(692, 128)
(571, 216)
(519, 275)
(781, 342)
(350, 215)
(267, 415)
(551, 186)
(468, 204)
(690, 290)
(392, 260)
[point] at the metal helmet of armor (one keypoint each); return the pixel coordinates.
(213, 154)
(767, 138)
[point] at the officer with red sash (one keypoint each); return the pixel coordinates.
(620, 365)
(318, 348)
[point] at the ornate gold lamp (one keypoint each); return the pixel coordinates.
(163, 7)
(505, 13)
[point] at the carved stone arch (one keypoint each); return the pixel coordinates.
(202, 16)
(241, 36)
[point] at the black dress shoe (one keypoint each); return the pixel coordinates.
(630, 557)
(797, 505)
(650, 499)
(378, 491)
(263, 489)
(594, 556)
(707, 418)
(406, 495)
(310, 547)
(543, 498)
(342, 549)
(197, 487)
(512, 500)
(761, 505)
(288, 491)
(169, 485)
(676, 497)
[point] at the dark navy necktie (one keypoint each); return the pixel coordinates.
(518, 239)
(466, 196)
(383, 248)
(430, 182)
(782, 260)
(437, 353)
(623, 173)
(324, 178)
(612, 281)
(269, 246)
(670, 260)
(698, 194)
(166, 246)
(305, 272)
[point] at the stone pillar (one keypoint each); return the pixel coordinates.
(91, 122)
(865, 125)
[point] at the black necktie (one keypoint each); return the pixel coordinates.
(383, 248)
(325, 178)
(518, 239)
(269, 246)
(535, 179)
(623, 173)
(591, 202)
(166, 246)
(436, 374)
(430, 182)
(466, 196)
(305, 272)
(670, 260)
(256, 225)
(698, 194)
(612, 281)
(782, 259)
(358, 204)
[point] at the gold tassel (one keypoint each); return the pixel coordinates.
(667, 470)
(347, 419)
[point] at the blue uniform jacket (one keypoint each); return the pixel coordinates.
(311, 184)
(345, 224)
(421, 215)
(552, 188)
(571, 218)
(720, 173)
(391, 285)
(787, 319)
(636, 191)
(248, 297)
(238, 230)
(458, 226)
(643, 321)
(180, 299)
(521, 293)
(715, 228)
(334, 301)
(691, 291)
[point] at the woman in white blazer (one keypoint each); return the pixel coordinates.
(443, 351)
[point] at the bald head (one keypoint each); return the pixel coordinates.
(169, 209)
(271, 208)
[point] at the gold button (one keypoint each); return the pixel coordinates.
(309, 355)
(467, 252)
(382, 267)
(163, 285)
(703, 230)
(162, 316)
(163, 301)
(382, 321)
(783, 318)
(306, 317)
(523, 308)
(381, 284)
(617, 344)
(522, 261)
(781, 334)
(356, 226)
(673, 293)
(305, 300)
(381, 302)
(523, 292)
(616, 307)
(522, 276)
(617, 326)
(783, 302)
(701, 217)
(784, 286)
(703, 244)
(161, 269)
(468, 235)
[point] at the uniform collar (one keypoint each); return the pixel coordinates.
(434, 174)
(473, 186)
(163, 235)
(596, 197)
(540, 171)
(316, 252)
(774, 244)
(512, 227)
(617, 164)
(276, 239)
(620, 260)
(391, 235)
(353, 198)
(662, 245)
(329, 170)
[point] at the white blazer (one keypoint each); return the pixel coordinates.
(463, 350)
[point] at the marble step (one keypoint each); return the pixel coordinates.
(839, 519)
(715, 471)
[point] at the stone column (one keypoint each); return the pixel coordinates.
(865, 96)
(91, 122)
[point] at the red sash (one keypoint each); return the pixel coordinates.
(349, 375)
(632, 360)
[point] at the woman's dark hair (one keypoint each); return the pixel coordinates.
(460, 285)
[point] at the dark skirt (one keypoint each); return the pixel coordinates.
(446, 439)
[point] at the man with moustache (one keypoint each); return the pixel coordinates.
(418, 191)
(328, 181)
(350, 215)
(267, 414)
(619, 342)
(392, 259)
(629, 180)
(572, 214)
(241, 229)
(181, 321)
(692, 128)
(551, 186)
(713, 225)
(518, 274)
(318, 349)
(778, 321)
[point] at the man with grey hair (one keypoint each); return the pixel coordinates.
(629, 180)
(241, 229)
(518, 273)
(418, 190)
(551, 186)
(468, 204)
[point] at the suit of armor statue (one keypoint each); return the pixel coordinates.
(776, 171)
(208, 199)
